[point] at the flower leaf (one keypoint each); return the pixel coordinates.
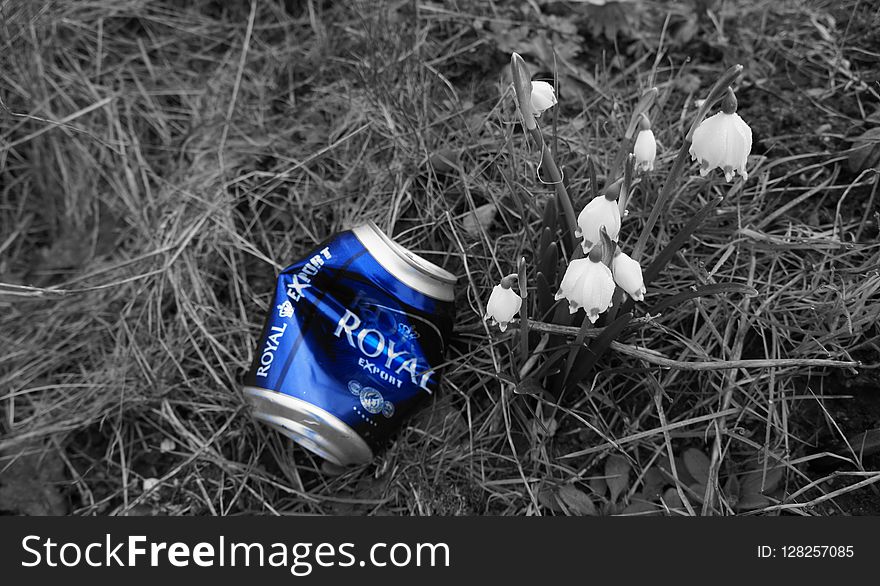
(591, 173)
(549, 262)
(544, 241)
(550, 220)
(608, 246)
(678, 240)
(676, 243)
(545, 295)
(577, 347)
(645, 103)
(588, 356)
(522, 86)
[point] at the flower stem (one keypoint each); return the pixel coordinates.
(660, 202)
(718, 91)
(563, 200)
(523, 313)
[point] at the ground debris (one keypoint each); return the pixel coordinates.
(30, 478)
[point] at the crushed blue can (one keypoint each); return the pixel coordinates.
(352, 343)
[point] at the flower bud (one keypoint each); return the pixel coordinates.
(543, 97)
(588, 284)
(503, 304)
(645, 147)
(628, 275)
(724, 141)
(600, 211)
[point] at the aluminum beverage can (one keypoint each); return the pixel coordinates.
(351, 345)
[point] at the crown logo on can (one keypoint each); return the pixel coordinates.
(406, 332)
(285, 309)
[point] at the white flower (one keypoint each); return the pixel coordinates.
(723, 140)
(645, 149)
(601, 211)
(628, 275)
(502, 306)
(587, 283)
(543, 97)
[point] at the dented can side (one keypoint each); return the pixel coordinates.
(351, 345)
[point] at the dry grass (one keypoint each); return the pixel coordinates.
(159, 162)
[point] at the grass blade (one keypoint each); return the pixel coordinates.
(703, 291)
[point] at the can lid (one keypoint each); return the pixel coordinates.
(410, 268)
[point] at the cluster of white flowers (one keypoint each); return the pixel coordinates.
(721, 141)
(588, 283)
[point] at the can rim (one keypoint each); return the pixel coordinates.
(419, 263)
(408, 267)
(315, 429)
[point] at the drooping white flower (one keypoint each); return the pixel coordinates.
(587, 283)
(543, 97)
(503, 304)
(600, 211)
(724, 141)
(628, 275)
(645, 147)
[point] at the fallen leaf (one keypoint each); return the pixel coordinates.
(699, 491)
(751, 502)
(444, 160)
(529, 386)
(731, 487)
(29, 482)
(865, 153)
(755, 482)
(547, 498)
(577, 501)
(640, 508)
(671, 498)
(545, 428)
(598, 485)
(697, 464)
(866, 443)
(680, 469)
(617, 471)
(483, 217)
(653, 484)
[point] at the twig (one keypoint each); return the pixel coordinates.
(660, 360)
(655, 357)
